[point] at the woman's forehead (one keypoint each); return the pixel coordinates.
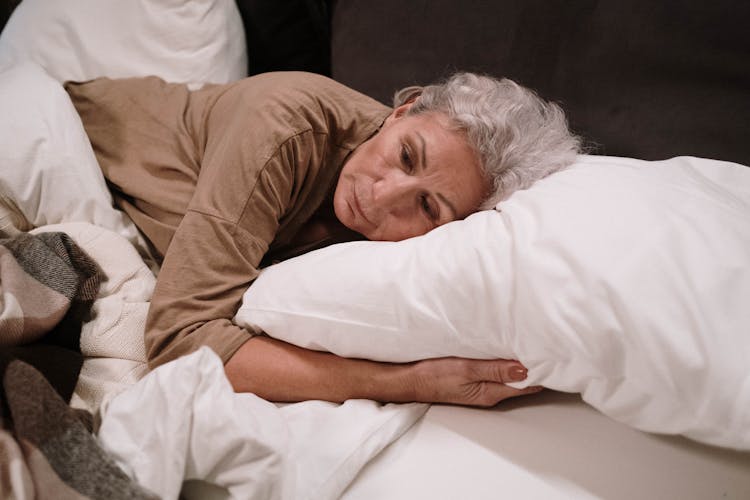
(439, 142)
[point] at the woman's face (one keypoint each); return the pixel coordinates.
(412, 176)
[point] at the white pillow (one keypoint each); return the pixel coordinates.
(191, 42)
(48, 171)
(624, 280)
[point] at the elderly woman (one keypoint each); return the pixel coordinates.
(228, 178)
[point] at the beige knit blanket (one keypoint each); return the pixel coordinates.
(53, 288)
(112, 341)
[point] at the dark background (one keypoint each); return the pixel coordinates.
(646, 79)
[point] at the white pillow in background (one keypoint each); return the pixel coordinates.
(624, 280)
(48, 170)
(195, 41)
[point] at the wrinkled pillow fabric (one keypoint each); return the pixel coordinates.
(188, 42)
(48, 171)
(624, 280)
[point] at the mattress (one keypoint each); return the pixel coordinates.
(547, 446)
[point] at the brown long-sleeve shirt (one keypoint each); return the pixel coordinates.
(217, 180)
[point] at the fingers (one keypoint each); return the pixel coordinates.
(493, 393)
(515, 372)
(499, 370)
(526, 390)
(467, 381)
(492, 376)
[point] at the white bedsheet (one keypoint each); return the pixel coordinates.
(183, 421)
(549, 446)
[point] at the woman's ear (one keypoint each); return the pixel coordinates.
(400, 111)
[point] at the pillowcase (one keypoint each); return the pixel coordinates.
(623, 280)
(48, 171)
(190, 42)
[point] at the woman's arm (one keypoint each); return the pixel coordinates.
(278, 371)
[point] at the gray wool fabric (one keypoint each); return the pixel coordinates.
(42, 421)
(46, 450)
(53, 284)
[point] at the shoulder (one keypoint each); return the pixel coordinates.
(298, 102)
(299, 85)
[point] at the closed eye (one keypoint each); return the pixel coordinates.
(406, 158)
(428, 209)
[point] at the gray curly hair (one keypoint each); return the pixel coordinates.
(518, 136)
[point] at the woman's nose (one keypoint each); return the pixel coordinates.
(395, 191)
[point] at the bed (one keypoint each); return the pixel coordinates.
(662, 412)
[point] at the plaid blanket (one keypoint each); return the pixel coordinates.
(48, 285)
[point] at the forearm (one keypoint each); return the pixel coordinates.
(278, 371)
(209, 265)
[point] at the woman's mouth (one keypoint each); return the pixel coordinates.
(356, 207)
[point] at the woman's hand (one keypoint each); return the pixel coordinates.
(468, 381)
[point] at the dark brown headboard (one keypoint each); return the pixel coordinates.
(6, 9)
(638, 78)
(287, 35)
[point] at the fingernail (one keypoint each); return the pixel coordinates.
(517, 373)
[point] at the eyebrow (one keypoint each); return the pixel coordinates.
(423, 161)
(423, 156)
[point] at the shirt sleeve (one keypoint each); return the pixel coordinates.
(243, 190)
